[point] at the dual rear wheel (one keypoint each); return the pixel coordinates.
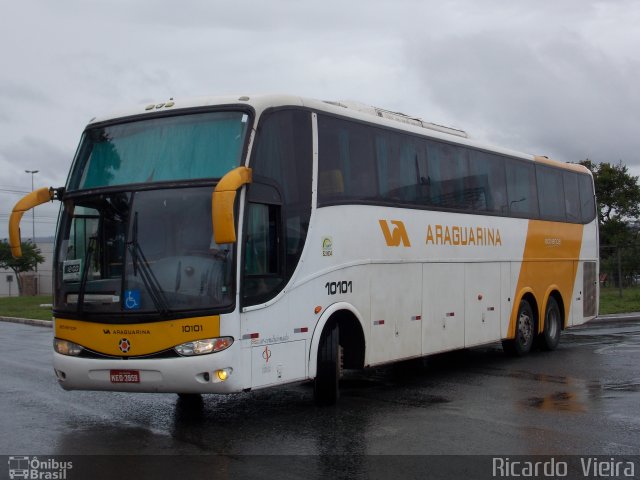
(526, 329)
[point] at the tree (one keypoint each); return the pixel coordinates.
(618, 196)
(31, 257)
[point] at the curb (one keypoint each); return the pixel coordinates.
(28, 321)
(614, 318)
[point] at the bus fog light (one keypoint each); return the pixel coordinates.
(224, 373)
(65, 347)
(202, 347)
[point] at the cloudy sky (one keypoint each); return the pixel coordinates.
(553, 77)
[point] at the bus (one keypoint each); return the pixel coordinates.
(221, 245)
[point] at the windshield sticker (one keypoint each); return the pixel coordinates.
(245, 118)
(132, 299)
(71, 270)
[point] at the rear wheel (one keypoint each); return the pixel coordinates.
(525, 331)
(550, 336)
(326, 390)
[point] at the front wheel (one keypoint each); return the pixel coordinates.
(525, 331)
(326, 390)
(549, 338)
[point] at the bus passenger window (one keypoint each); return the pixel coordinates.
(587, 199)
(487, 176)
(550, 193)
(521, 189)
(448, 167)
(571, 196)
(346, 162)
(401, 168)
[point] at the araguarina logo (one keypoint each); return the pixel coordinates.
(396, 237)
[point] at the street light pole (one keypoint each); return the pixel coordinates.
(33, 231)
(33, 210)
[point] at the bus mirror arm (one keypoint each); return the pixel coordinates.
(26, 203)
(223, 202)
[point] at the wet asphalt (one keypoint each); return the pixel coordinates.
(582, 399)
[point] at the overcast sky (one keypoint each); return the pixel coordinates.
(553, 77)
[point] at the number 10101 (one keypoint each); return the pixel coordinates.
(334, 288)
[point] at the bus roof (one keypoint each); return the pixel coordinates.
(355, 110)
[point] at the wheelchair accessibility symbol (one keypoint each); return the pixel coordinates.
(131, 299)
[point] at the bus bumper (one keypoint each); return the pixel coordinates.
(172, 375)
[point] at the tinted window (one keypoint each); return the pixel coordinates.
(401, 167)
(282, 160)
(262, 263)
(487, 182)
(521, 189)
(347, 165)
(359, 162)
(571, 196)
(587, 198)
(448, 169)
(550, 193)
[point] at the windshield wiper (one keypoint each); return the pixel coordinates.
(146, 274)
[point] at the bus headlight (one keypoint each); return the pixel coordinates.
(202, 347)
(65, 347)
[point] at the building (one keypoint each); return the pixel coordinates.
(42, 279)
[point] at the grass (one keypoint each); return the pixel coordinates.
(610, 301)
(26, 307)
(29, 307)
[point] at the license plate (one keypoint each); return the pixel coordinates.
(125, 376)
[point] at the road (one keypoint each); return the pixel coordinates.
(582, 399)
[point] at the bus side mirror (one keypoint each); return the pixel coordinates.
(26, 203)
(222, 203)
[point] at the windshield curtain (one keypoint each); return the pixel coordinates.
(148, 252)
(180, 147)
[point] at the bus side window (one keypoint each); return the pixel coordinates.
(401, 166)
(346, 162)
(331, 171)
(262, 272)
(521, 189)
(448, 166)
(550, 193)
(84, 226)
(282, 162)
(587, 199)
(571, 196)
(487, 182)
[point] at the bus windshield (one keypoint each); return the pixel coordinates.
(194, 146)
(148, 251)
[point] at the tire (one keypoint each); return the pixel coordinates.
(550, 336)
(525, 331)
(190, 397)
(326, 391)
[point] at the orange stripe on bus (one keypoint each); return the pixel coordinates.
(549, 262)
(142, 338)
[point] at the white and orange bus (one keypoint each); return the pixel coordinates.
(220, 245)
